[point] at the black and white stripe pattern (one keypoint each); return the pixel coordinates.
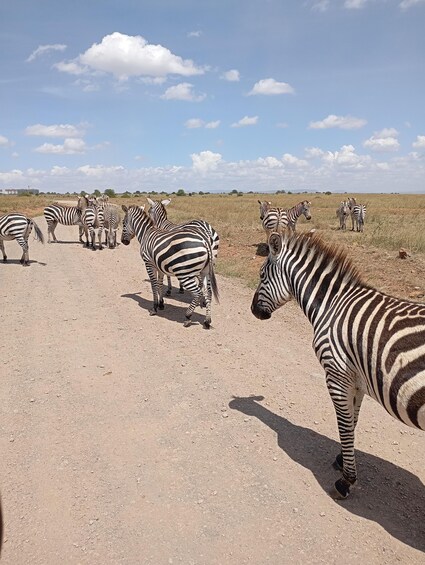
(111, 220)
(342, 213)
(93, 218)
(18, 226)
(158, 215)
(367, 342)
(66, 215)
(279, 219)
(183, 253)
(358, 214)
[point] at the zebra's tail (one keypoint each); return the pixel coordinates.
(214, 285)
(38, 233)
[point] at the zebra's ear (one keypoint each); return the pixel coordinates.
(151, 202)
(124, 207)
(275, 244)
(165, 202)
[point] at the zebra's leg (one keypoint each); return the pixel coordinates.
(192, 285)
(343, 398)
(92, 238)
(169, 287)
(3, 251)
(160, 279)
(207, 296)
(357, 403)
(80, 234)
(99, 236)
(153, 277)
(25, 255)
(51, 226)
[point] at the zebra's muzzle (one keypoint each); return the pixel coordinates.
(125, 241)
(258, 310)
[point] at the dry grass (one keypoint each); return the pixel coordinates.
(392, 221)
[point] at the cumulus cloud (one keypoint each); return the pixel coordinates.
(55, 130)
(182, 91)
(70, 146)
(4, 142)
(100, 170)
(11, 177)
(205, 161)
(57, 171)
(269, 86)
(420, 142)
(313, 152)
(126, 56)
(43, 49)
(406, 4)
(320, 5)
(246, 121)
(270, 162)
(232, 75)
(195, 123)
(346, 158)
(384, 140)
(293, 161)
(342, 122)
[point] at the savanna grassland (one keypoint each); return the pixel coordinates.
(393, 221)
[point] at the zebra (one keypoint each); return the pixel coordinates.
(92, 218)
(58, 213)
(366, 341)
(342, 213)
(358, 214)
(158, 214)
(279, 219)
(183, 253)
(111, 221)
(18, 226)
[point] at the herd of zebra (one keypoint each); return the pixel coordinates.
(367, 342)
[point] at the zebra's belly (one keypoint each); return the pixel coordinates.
(8, 237)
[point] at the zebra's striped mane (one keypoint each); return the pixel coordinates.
(329, 253)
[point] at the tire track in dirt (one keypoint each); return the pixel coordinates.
(121, 441)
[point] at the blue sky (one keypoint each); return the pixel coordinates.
(260, 95)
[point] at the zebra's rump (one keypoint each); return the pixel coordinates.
(13, 225)
(65, 215)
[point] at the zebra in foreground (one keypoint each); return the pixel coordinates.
(158, 214)
(18, 226)
(111, 220)
(342, 213)
(92, 218)
(183, 253)
(279, 219)
(367, 342)
(58, 213)
(358, 214)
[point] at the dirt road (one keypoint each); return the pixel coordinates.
(122, 442)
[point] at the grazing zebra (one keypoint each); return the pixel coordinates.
(279, 219)
(92, 218)
(342, 213)
(358, 214)
(183, 253)
(58, 213)
(17, 226)
(111, 220)
(158, 214)
(367, 342)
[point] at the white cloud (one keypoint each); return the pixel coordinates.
(269, 86)
(194, 123)
(196, 33)
(420, 142)
(320, 5)
(346, 158)
(270, 162)
(100, 170)
(11, 177)
(125, 56)
(4, 142)
(70, 146)
(205, 161)
(246, 121)
(342, 122)
(42, 49)
(59, 171)
(182, 91)
(406, 4)
(55, 130)
(384, 140)
(313, 152)
(293, 161)
(354, 4)
(232, 75)
(212, 125)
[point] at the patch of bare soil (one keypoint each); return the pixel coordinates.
(130, 439)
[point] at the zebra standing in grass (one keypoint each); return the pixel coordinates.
(92, 219)
(367, 342)
(18, 226)
(358, 214)
(342, 213)
(158, 215)
(58, 213)
(183, 253)
(111, 220)
(279, 219)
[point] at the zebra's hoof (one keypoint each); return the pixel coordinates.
(25, 264)
(181, 291)
(161, 305)
(5, 260)
(152, 312)
(341, 489)
(168, 293)
(187, 323)
(338, 463)
(207, 325)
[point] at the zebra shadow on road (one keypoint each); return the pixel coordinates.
(171, 311)
(387, 494)
(18, 262)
